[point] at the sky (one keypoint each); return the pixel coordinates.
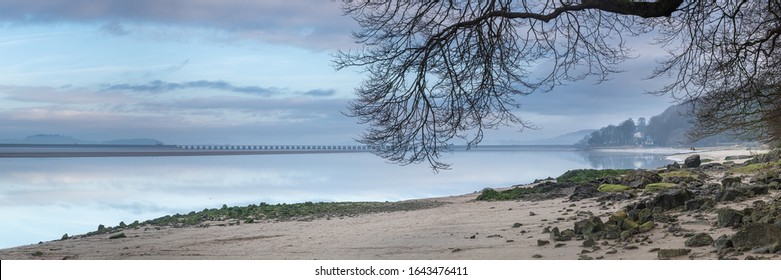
(232, 72)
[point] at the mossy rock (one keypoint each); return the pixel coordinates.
(666, 254)
(756, 167)
(613, 188)
(118, 235)
(699, 240)
(647, 226)
(586, 175)
(655, 187)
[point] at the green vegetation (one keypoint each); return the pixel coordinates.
(279, 212)
(756, 167)
(613, 188)
(659, 186)
(37, 254)
(586, 175)
(678, 173)
(489, 194)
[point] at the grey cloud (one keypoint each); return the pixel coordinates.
(320, 92)
(114, 28)
(314, 24)
(158, 86)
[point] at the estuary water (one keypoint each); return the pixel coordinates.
(43, 198)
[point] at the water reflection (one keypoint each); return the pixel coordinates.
(43, 198)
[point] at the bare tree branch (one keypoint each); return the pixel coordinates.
(437, 71)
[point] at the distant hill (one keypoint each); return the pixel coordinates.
(668, 129)
(55, 139)
(46, 139)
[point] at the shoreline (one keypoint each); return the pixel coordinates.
(460, 228)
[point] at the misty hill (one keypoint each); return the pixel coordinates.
(44, 139)
(667, 129)
(55, 139)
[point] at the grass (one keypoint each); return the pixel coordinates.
(678, 173)
(278, 212)
(613, 188)
(489, 194)
(586, 175)
(756, 167)
(659, 186)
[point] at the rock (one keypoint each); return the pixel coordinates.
(754, 236)
(567, 235)
(728, 217)
(640, 178)
(612, 231)
(64, 237)
(541, 242)
(647, 226)
(723, 242)
(118, 235)
(699, 240)
(670, 199)
(758, 189)
(517, 225)
(537, 256)
(692, 161)
(589, 227)
(557, 245)
(584, 191)
(532, 213)
(674, 166)
(589, 243)
(731, 181)
(699, 203)
(769, 249)
(766, 177)
(666, 254)
(585, 257)
(730, 194)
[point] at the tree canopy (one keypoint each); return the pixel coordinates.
(443, 70)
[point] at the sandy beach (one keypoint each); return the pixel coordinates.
(461, 228)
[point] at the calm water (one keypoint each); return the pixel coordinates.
(43, 198)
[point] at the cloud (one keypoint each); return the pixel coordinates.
(158, 86)
(314, 24)
(86, 113)
(114, 28)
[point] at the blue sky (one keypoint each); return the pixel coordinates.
(240, 72)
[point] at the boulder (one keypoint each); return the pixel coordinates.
(766, 177)
(757, 189)
(699, 240)
(666, 254)
(731, 181)
(541, 242)
(730, 194)
(584, 191)
(640, 178)
(589, 227)
(754, 236)
(692, 161)
(723, 242)
(565, 235)
(670, 199)
(699, 203)
(728, 217)
(674, 166)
